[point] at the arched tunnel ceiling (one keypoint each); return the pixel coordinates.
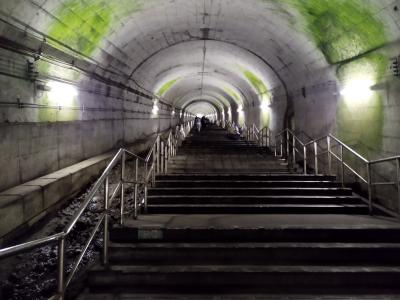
(214, 46)
(202, 107)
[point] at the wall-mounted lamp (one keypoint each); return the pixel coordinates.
(357, 90)
(155, 109)
(240, 109)
(265, 106)
(61, 93)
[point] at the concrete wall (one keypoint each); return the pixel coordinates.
(38, 138)
(368, 124)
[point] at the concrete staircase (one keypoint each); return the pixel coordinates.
(231, 219)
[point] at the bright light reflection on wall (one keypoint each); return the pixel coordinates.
(357, 91)
(241, 119)
(155, 109)
(265, 106)
(62, 93)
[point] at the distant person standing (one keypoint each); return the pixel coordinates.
(203, 122)
(197, 122)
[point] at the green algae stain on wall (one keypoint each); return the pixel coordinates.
(256, 82)
(263, 95)
(233, 94)
(166, 87)
(341, 29)
(361, 122)
(82, 25)
(347, 34)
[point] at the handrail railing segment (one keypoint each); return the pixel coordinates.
(290, 145)
(316, 151)
(261, 136)
(154, 163)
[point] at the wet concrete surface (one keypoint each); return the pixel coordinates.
(32, 275)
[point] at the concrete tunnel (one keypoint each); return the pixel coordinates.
(81, 78)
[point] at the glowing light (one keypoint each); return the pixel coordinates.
(265, 106)
(240, 109)
(173, 112)
(155, 109)
(61, 93)
(357, 90)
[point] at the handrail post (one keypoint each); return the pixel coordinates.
(154, 167)
(328, 141)
(398, 183)
(105, 230)
(166, 158)
(316, 157)
(294, 149)
(287, 145)
(170, 146)
(61, 262)
(145, 186)
(122, 208)
(281, 145)
(263, 138)
(158, 154)
(162, 157)
(342, 164)
(136, 188)
(369, 179)
(305, 159)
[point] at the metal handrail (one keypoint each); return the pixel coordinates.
(288, 141)
(121, 156)
(261, 136)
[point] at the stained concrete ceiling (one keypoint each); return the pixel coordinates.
(228, 52)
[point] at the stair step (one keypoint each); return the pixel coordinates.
(256, 199)
(239, 277)
(213, 191)
(255, 235)
(245, 183)
(258, 209)
(244, 176)
(232, 169)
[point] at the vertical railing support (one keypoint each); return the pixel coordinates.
(154, 167)
(294, 149)
(287, 145)
(328, 141)
(61, 263)
(162, 157)
(305, 159)
(166, 157)
(316, 158)
(122, 208)
(342, 165)
(136, 188)
(398, 183)
(281, 145)
(105, 229)
(158, 154)
(145, 185)
(369, 180)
